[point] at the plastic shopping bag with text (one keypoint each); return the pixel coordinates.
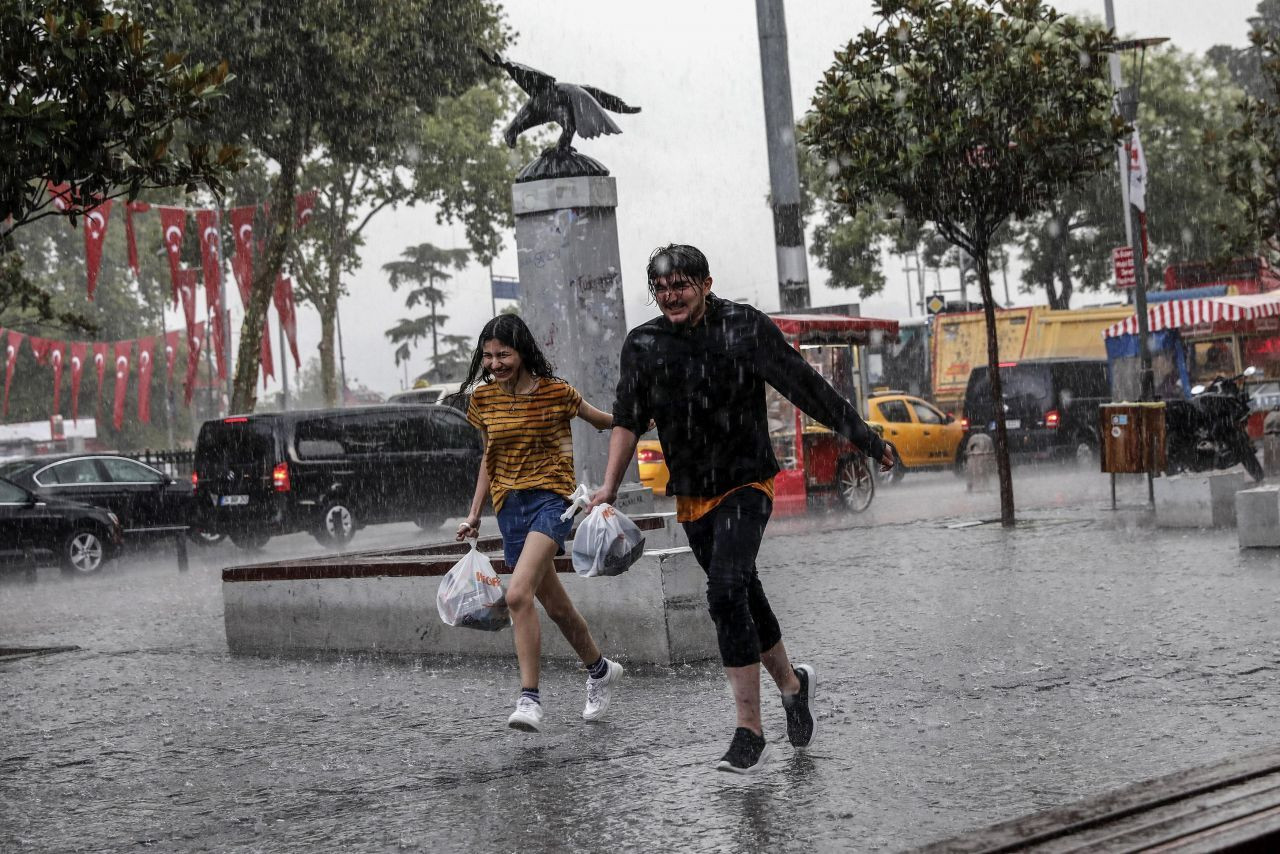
(606, 543)
(471, 596)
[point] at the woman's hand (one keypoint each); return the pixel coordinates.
(469, 528)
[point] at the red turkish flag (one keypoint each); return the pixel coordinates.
(79, 352)
(173, 221)
(130, 209)
(95, 232)
(208, 224)
(304, 205)
(61, 194)
(170, 353)
(10, 362)
(146, 364)
(124, 351)
(99, 365)
(242, 262)
(57, 354)
(195, 345)
(40, 347)
(187, 291)
(288, 315)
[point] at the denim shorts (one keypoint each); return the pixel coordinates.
(526, 510)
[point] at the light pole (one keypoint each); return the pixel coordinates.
(1127, 106)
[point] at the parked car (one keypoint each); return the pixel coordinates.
(148, 502)
(651, 464)
(923, 436)
(438, 393)
(36, 529)
(330, 472)
(1050, 406)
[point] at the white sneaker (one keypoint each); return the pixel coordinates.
(598, 692)
(527, 717)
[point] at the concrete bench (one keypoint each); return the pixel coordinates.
(1258, 517)
(385, 603)
(1199, 500)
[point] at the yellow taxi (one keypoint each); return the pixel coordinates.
(652, 465)
(924, 436)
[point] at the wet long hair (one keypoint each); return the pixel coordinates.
(514, 332)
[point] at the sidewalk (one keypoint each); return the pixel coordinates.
(967, 675)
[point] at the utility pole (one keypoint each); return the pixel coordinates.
(784, 174)
(907, 269)
(342, 356)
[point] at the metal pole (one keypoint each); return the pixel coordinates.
(493, 301)
(906, 269)
(342, 356)
(284, 366)
(225, 310)
(784, 174)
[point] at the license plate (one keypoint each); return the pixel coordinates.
(233, 500)
(1009, 424)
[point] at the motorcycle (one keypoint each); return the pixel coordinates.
(1208, 431)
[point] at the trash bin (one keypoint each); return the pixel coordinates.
(1132, 437)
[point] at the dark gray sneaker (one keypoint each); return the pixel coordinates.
(802, 726)
(747, 753)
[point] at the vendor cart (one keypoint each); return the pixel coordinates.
(817, 464)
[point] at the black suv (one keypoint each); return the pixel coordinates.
(332, 471)
(1050, 406)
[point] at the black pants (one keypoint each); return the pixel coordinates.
(725, 543)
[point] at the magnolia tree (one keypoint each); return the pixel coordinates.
(967, 113)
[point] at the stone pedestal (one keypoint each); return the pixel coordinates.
(1258, 517)
(571, 295)
(1203, 500)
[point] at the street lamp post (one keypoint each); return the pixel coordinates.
(1127, 106)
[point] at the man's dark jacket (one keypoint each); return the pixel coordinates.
(704, 387)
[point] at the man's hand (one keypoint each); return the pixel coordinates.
(889, 459)
(603, 495)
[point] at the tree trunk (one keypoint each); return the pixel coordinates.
(327, 306)
(244, 393)
(997, 391)
(1064, 276)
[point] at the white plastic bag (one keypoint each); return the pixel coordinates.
(606, 543)
(471, 596)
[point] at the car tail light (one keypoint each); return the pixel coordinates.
(1052, 418)
(237, 420)
(195, 480)
(964, 423)
(649, 455)
(280, 477)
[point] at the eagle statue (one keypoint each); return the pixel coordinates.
(575, 108)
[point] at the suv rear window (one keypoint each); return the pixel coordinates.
(1027, 390)
(222, 444)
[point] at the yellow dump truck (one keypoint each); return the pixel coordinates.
(959, 341)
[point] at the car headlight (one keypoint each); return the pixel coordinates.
(115, 520)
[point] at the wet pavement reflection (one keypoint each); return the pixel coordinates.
(967, 675)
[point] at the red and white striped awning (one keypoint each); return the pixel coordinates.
(1187, 313)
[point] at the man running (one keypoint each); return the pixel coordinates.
(699, 373)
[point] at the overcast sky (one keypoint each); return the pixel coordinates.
(691, 167)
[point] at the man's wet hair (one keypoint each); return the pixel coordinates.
(678, 258)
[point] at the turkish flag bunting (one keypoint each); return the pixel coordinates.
(10, 362)
(208, 223)
(40, 347)
(130, 209)
(61, 194)
(173, 221)
(99, 365)
(146, 364)
(57, 354)
(95, 232)
(79, 352)
(288, 316)
(187, 290)
(304, 206)
(170, 353)
(195, 345)
(124, 351)
(242, 262)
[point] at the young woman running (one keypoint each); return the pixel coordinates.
(523, 412)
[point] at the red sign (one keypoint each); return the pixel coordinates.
(1122, 258)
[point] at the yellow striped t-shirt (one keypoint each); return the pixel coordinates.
(528, 441)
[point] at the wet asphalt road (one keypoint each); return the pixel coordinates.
(967, 674)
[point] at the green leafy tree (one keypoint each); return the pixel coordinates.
(967, 113)
(425, 267)
(326, 76)
(1066, 247)
(91, 100)
(456, 167)
(1244, 65)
